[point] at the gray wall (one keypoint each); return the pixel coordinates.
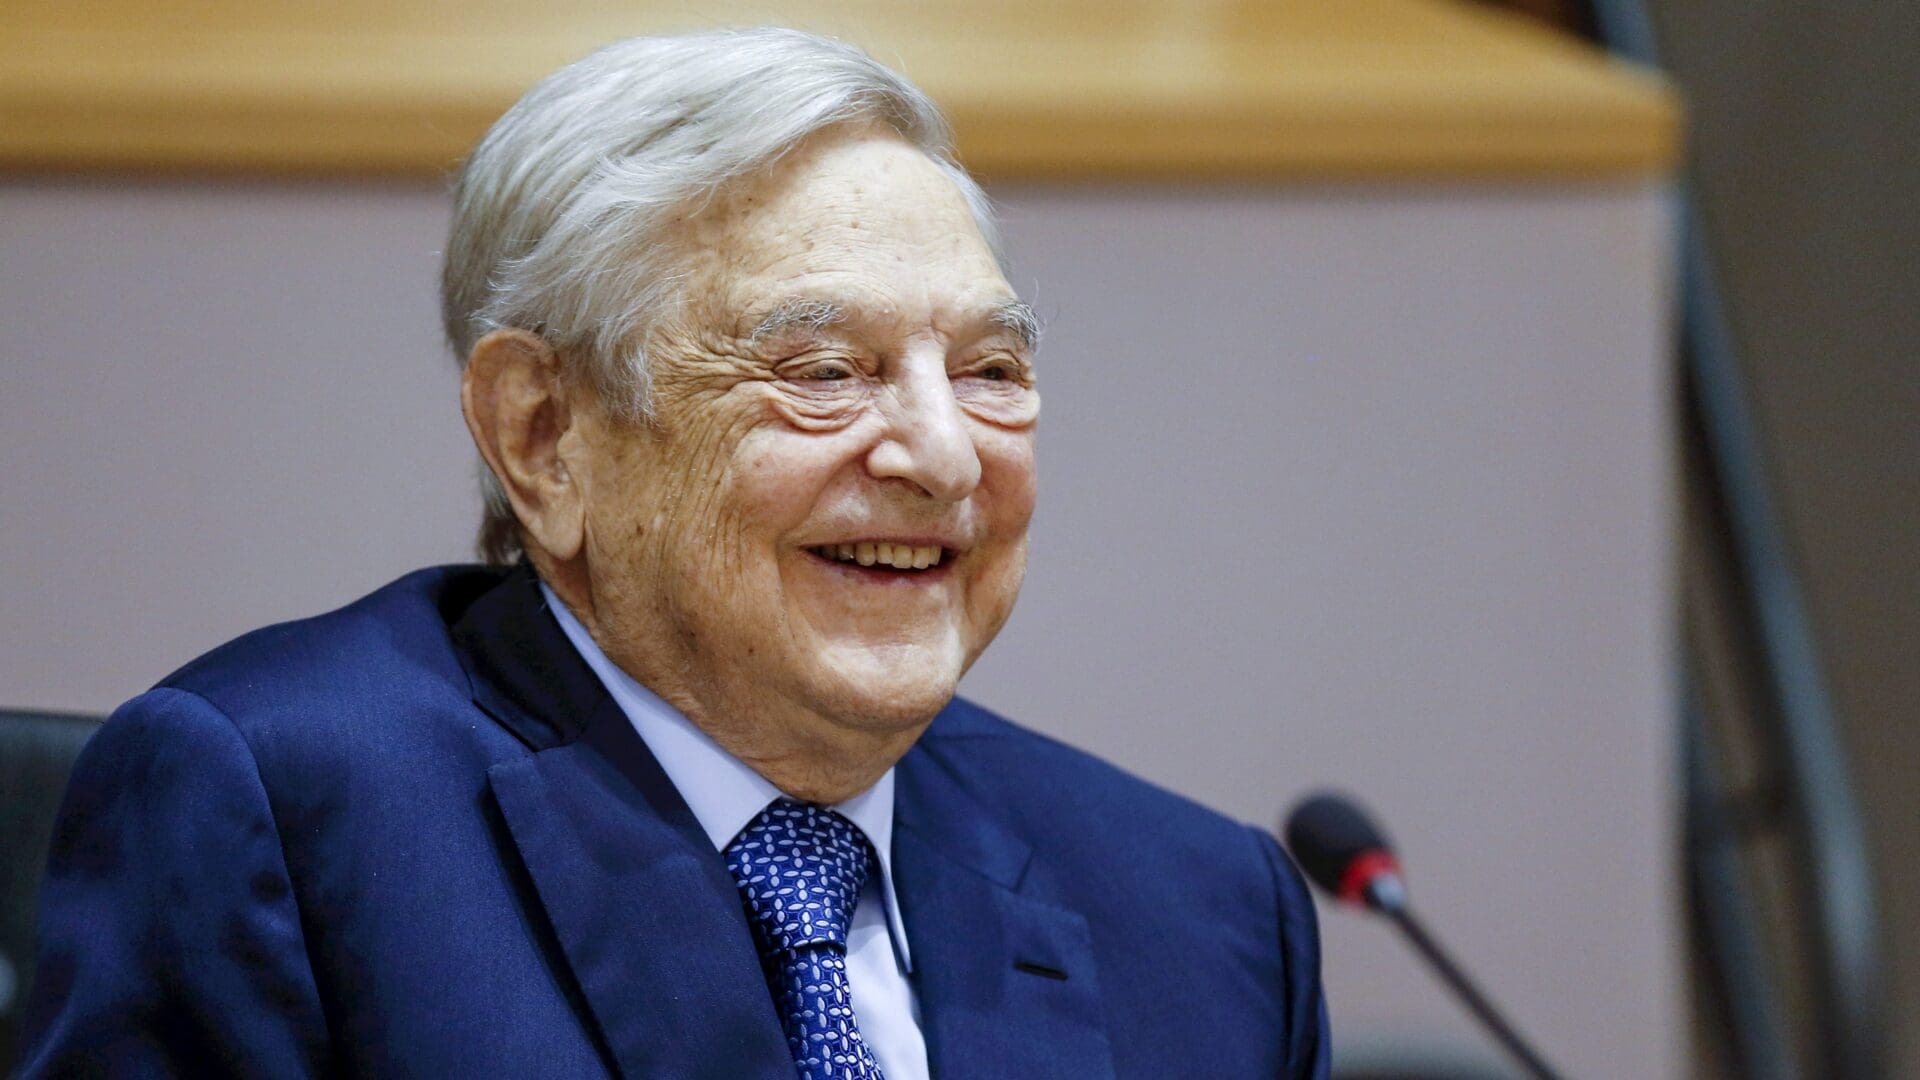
(1365, 489)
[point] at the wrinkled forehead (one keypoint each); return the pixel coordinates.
(861, 221)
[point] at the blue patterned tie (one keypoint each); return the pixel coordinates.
(800, 868)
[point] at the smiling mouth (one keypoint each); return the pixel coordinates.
(883, 556)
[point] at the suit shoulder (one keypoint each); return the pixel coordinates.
(385, 644)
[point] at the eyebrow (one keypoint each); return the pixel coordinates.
(1014, 316)
(796, 311)
(1020, 319)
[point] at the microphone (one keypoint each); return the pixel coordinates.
(1345, 853)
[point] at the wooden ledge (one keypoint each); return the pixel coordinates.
(1075, 89)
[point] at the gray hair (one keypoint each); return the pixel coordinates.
(558, 210)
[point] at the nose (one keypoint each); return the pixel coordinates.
(927, 440)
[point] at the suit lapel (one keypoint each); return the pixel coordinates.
(646, 915)
(1006, 981)
(649, 921)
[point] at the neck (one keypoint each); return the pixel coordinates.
(808, 755)
(812, 774)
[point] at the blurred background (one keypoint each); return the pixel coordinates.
(1503, 411)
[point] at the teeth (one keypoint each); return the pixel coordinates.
(898, 556)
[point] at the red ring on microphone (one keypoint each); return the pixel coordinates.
(1362, 871)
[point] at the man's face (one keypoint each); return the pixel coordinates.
(851, 376)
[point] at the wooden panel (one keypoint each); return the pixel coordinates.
(1117, 88)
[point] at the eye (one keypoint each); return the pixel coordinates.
(824, 371)
(1000, 369)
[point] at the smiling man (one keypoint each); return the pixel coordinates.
(679, 787)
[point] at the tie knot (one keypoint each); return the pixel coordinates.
(800, 868)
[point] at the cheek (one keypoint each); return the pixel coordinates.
(1008, 488)
(780, 478)
(626, 495)
(1009, 480)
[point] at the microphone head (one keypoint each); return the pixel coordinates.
(1343, 851)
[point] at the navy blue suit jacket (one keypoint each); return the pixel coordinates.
(416, 837)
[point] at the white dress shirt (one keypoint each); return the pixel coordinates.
(725, 794)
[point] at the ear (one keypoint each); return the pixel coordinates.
(516, 406)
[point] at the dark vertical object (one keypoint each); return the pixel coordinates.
(1737, 978)
(1808, 788)
(37, 751)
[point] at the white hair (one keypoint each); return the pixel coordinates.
(558, 211)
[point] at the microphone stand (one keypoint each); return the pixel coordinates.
(1388, 896)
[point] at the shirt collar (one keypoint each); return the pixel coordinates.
(724, 793)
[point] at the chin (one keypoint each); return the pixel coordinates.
(890, 688)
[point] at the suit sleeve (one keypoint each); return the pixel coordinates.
(170, 942)
(1309, 1045)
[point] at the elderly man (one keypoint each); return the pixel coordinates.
(685, 792)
